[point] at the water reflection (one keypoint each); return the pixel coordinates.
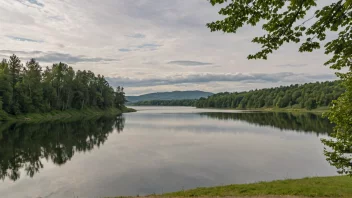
(161, 150)
(23, 146)
(301, 122)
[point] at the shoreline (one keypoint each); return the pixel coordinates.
(320, 110)
(72, 114)
(289, 110)
(333, 186)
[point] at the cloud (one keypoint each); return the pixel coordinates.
(18, 52)
(148, 45)
(151, 62)
(175, 14)
(24, 39)
(35, 2)
(220, 77)
(124, 50)
(68, 58)
(292, 65)
(138, 35)
(188, 63)
(31, 2)
(53, 57)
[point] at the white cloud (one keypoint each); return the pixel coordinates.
(137, 35)
(188, 63)
(144, 35)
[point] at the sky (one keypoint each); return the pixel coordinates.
(150, 45)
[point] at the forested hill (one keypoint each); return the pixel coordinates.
(185, 102)
(32, 89)
(308, 96)
(175, 95)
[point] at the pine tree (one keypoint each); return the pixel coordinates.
(15, 69)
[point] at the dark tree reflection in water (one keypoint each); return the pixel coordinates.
(24, 146)
(300, 122)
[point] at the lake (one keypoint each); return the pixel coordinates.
(158, 150)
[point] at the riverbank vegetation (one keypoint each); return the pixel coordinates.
(339, 186)
(307, 96)
(70, 114)
(33, 91)
(313, 97)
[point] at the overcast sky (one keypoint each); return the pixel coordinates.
(149, 45)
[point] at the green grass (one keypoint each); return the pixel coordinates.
(128, 110)
(338, 186)
(72, 114)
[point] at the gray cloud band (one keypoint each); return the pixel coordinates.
(54, 57)
(206, 78)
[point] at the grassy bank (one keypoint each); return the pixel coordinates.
(72, 114)
(339, 186)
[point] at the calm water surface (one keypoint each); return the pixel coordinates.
(159, 149)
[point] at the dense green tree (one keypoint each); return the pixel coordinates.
(32, 85)
(310, 104)
(5, 86)
(15, 71)
(29, 89)
(294, 96)
(119, 97)
(281, 97)
(341, 143)
(49, 93)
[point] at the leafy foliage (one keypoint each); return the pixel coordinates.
(286, 21)
(309, 96)
(29, 89)
(339, 153)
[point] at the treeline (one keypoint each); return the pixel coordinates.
(309, 96)
(24, 146)
(186, 102)
(32, 89)
(301, 122)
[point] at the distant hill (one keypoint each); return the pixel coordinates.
(175, 95)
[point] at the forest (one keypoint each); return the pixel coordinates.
(31, 89)
(309, 96)
(185, 102)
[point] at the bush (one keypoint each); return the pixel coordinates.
(3, 115)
